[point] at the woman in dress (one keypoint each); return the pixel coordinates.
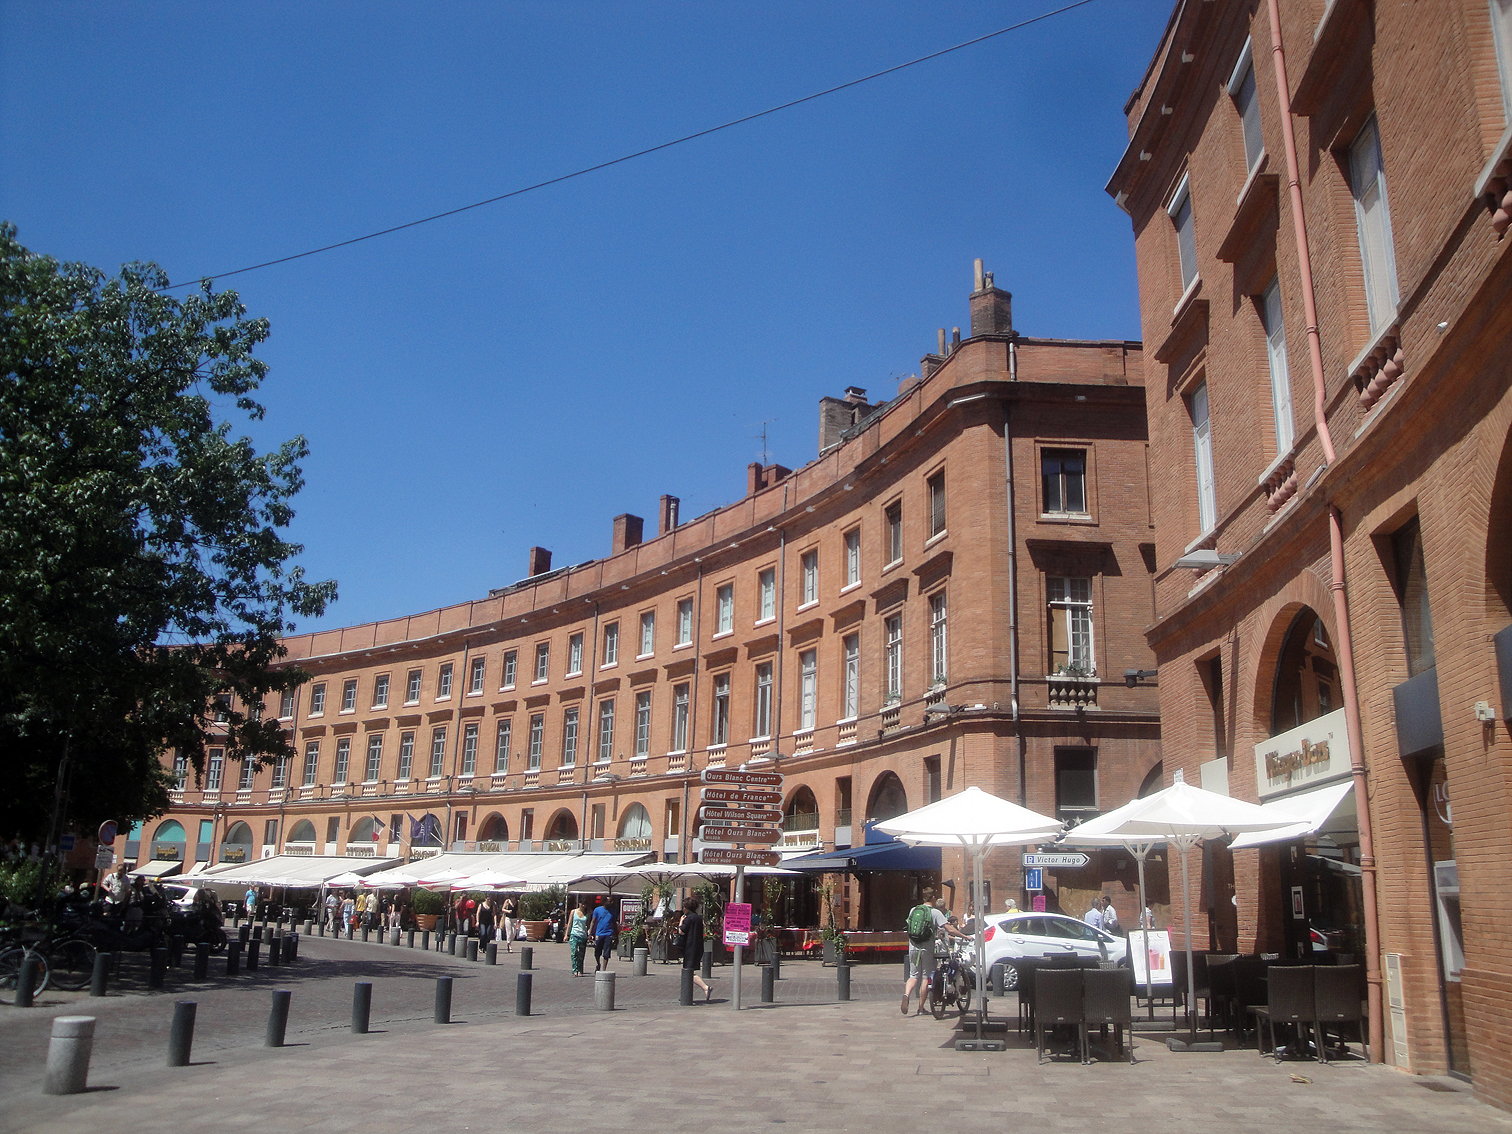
(692, 929)
(509, 910)
(577, 936)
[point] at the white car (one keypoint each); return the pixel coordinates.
(1012, 937)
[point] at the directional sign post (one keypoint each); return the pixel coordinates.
(707, 814)
(1063, 860)
(742, 777)
(711, 833)
(742, 797)
(739, 856)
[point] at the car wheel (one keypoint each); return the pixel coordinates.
(1010, 978)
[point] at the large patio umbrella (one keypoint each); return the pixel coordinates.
(487, 880)
(1183, 815)
(976, 821)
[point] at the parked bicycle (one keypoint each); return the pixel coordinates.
(950, 986)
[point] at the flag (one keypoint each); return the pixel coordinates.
(417, 827)
(378, 828)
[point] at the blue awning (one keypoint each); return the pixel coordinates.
(877, 856)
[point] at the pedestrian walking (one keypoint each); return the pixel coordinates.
(510, 909)
(577, 936)
(692, 929)
(603, 934)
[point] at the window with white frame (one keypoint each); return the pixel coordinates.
(719, 732)
(281, 771)
(343, 758)
(180, 771)
(1501, 29)
(215, 769)
(606, 731)
(349, 695)
(1180, 211)
(317, 699)
(680, 702)
(763, 714)
(939, 666)
(892, 517)
(892, 657)
(470, 748)
(936, 486)
(1202, 450)
(537, 741)
(808, 687)
(569, 737)
(542, 661)
(1280, 377)
(1367, 175)
(684, 622)
(248, 770)
(311, 763)
(438, 752)
(851, 691)
(647, 633)
(406, 755)
(380, 691)
(475, 677)
(286, 705)
(374, 757)
(575, 655)
(852, 557)
(766, 585)
(501, 746)
(643, 723)
(443, 681)
(1070, 606)
(724, 609)
(611, 644)
(810, 577)
(412, 687)
(511, 664)
(1241, 88)
(1063, 481)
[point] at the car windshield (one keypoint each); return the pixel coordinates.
(1069, 927)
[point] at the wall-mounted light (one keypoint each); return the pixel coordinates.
(1133, 677)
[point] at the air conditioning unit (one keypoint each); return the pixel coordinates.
(1396, 1005)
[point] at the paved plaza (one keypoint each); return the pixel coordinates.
(807, 1062)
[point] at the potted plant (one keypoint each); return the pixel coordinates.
(831, 935)
(712, 904)
(764, 928)
(535, 912)
(427, 906)
(660, 931)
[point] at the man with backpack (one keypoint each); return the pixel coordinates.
(924, 921)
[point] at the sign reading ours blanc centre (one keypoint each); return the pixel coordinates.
(742, 778)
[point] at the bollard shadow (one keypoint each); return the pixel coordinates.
(202, 1063)
(93, 1090)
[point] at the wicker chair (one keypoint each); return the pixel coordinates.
(1289, 1000)
(1105, 1001)
(1339, 992)
(1058, 1003)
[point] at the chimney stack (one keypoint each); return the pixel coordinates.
(667, 515)
(759, 476)
(539, 562)
(836, 415)
(991, 307)
(627, 532)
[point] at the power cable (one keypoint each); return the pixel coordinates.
(639, 153)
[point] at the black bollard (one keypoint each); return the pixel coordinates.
(233, 958)
(364, 933)
(776, 965)
(491, 954)
(254, 947)
(842, 980)
(320, 928)
(425, 940)
(522, 993)
(768, 983)
(278, 1018)
(443, 999)
(267, 934)
(451, 944)
(411, 941)
(100, 975)
(181, 1036)
(708, 963)
(291, 947)
(527, 958)
(362, 1006)
(201, 960)
(999, 984)
(275, 952)
(472, 948)
(687, 986)
(349, 932)
(175, 951)
(243, 934)
(26, 980)
(157, 968)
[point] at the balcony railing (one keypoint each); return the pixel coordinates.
(845, 733)
(1065, 692)
(801, 821)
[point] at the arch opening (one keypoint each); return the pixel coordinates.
(494, 830)
(301, 832)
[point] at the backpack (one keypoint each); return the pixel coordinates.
(921, 926)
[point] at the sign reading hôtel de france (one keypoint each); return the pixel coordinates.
(1306, 756)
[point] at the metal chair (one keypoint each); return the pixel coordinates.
(1058, 1003)
(1289, 1000)
(1105, 1001)
(1339, 993)
(1249, 990)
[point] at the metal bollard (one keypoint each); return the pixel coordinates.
(527, 958)
(522, 993)
(491, 954)
(362, 1006)
(278, 1018)
(101, 974)
(26, 980)
(642, 956)
(158, 968)
(201, 960)
(394, 936)
(233, 958)
(603, 991)
(451, 944)
(309, 928)
(708, 963)
(443, 999)
(842, 981)
(472, 948)
(768, 983)
(181, 1036)
(253, 949)
(68, 1055)
(411, 941)
(686, 996)
(424, 940)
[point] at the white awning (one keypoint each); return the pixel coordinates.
(1309, 811)
(158, 868)
(297, 871)
(536, 871)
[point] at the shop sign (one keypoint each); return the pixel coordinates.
(560, 846)
(632, 844)
(1305, 756)
(359, 851)
(233, 852)
(494, 847)
(801, 839)
(172, 852)
(298, 849)
(423, 852)
(629, 910)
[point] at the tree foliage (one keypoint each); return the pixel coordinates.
(142, 569)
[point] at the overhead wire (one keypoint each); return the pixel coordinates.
(638, 153)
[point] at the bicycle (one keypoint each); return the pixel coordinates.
(950, 984)
(10, 968)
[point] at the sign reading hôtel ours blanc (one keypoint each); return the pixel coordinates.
(1306, 756)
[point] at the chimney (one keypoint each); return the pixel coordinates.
(627, 532)
(760, 476)
(540, 562)
(667, 515)
(855, 395)
(991, 308)
(836, 415)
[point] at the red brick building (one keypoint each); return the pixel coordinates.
(1317, 195)
(854, 622)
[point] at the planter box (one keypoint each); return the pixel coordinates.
(426, 920)
(765, 951)
(536, 930)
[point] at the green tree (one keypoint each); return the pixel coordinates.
(142, 571)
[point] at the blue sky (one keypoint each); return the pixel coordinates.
(521, 373)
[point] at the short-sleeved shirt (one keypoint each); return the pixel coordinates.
(1094, 918)
(603, 922)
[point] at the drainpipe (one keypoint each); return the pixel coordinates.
(1013, 602)
(1336, 554)
(590, 726)
(781, 627)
